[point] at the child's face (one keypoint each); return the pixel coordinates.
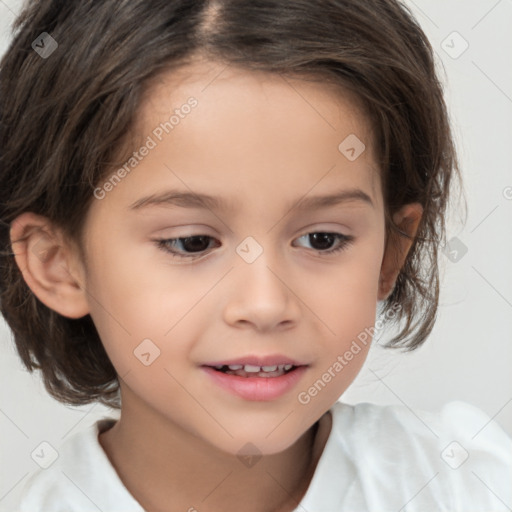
(258, 143)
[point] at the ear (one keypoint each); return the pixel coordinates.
(49, 264)
(407, 220)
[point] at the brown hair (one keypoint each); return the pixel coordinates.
(63, 119)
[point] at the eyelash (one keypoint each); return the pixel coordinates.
(163, 244)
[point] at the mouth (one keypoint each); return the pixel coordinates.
(259, 379)
(249, 370)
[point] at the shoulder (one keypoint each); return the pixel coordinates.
(444, 453)
(80, 479)
(455, 420)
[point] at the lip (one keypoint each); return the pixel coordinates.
(256, 388)
(255, 360)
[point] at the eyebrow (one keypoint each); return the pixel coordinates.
(208, 202)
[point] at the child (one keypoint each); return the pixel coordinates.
(203, 204)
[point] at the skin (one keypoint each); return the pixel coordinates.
(260, 142)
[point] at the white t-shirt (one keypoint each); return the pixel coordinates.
(377, 458)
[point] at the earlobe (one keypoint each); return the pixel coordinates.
(49, 265)
(407, 220)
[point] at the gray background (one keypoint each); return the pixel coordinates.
(469, 354)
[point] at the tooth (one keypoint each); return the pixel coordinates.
(218, 366)
(235, 366)
(251, 369)
(269, 368)
(287, 366)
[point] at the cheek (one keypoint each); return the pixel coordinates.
(132, 302)
(347, 297)
(347, 307)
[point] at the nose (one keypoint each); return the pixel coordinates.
(261, 295)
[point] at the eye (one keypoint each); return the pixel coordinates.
(195, 246)
(324, 241)
(188, 246)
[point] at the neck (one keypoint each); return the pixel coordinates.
(160, 463)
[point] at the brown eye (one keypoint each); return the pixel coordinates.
(323, 242)
(186, 247)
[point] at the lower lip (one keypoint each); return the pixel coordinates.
(256, 388)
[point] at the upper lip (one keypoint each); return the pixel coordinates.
(254, 360)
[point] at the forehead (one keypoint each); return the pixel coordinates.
(218, 85)
(255, 126)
